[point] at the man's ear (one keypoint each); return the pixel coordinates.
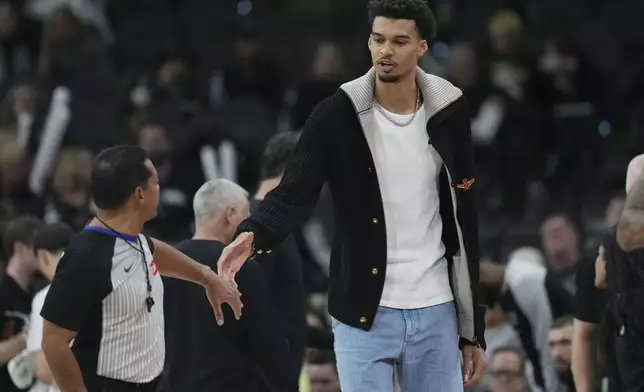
(19, 247)
(139, 193)
(423, 48)
(230, 214)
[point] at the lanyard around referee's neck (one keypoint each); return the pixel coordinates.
(149, 301)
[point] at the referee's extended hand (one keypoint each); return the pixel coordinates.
(234, 256)
(221, 291)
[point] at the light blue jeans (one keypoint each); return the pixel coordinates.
(420, 345)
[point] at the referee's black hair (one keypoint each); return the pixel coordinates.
(117, 172)
(276, 154)
(21, 230)
(54, 237)
(416, 10)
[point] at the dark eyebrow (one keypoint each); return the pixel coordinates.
(399, 36)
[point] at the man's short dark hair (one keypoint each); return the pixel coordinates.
(117, 172)
(562, 321)
(416, 10)
(513, 350)
(277, 152)
(54, 237)
(22, 230)
(568, 218)
(323, 357)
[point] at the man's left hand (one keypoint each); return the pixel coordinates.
(474, 365)
(234, 256)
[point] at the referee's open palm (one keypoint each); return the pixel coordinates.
(221, 291)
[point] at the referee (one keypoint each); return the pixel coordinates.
(107, 293)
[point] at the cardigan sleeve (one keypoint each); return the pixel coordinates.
(464, 154)
(289, 205)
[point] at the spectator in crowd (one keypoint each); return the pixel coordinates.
(327, 73)
(561, 242)
(507, 369)
(530, 301)
(499, 332)
(244, 354)
(75, 57)
(69, 201)
(16, 291)
(49, 244)
(320, 336)
(323, 373)
(15, 166)
(251, 73)
(18, 113)
(560, 342)
(19, 41)
(283, 268)
(175, 216)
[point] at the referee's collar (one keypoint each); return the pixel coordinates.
(127, 237)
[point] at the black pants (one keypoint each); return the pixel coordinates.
(160, 384)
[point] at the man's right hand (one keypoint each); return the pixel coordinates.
(234, 256)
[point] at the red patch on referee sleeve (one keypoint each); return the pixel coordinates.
(153, 265)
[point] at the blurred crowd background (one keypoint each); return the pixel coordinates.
(555, 88)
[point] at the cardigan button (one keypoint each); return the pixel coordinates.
(374, 271)
(369, 170)
(375, 220)
(363, 320)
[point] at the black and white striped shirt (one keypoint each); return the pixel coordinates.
(100, 292)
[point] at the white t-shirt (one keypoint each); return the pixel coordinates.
(34, 337)
(408, 167)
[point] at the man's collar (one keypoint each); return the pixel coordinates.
(437, 92)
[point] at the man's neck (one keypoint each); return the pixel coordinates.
(124, 223)
(210, 234)
(265, 187)
(49, 275)
(400, 97)
(21, 274)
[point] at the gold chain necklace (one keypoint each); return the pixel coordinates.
(393, 121)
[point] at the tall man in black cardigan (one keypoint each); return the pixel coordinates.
(395, 147)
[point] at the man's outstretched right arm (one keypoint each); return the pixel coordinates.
(290, 204)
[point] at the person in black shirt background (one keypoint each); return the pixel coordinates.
(590, 306)
(283, 268)
(620, 270)
(590, 303)
(16, 292)
(201, 356)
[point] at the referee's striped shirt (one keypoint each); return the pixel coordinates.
(100, 291)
